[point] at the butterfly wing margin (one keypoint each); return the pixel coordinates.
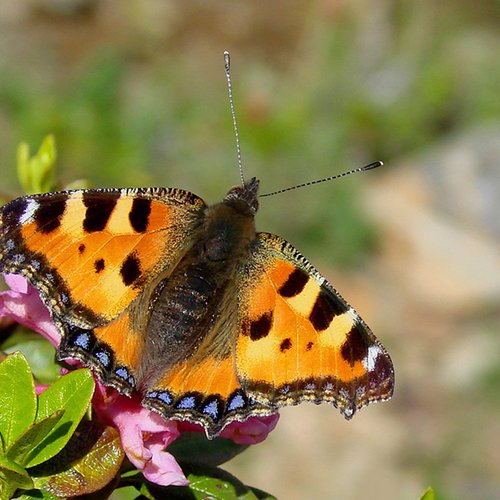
(300, 340)
(91, 252)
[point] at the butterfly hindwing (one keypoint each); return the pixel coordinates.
(299, 340)
(206, 392)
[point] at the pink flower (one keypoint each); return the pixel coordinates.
(252, 431)
(144, 435)
(22, 303)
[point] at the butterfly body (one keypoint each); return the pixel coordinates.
(201, 290)
(209, 320)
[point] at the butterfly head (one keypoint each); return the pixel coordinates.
(244, 198)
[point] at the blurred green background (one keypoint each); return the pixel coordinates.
(135, 95)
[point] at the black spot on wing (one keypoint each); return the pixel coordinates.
(130, 270)
(11, 213)
(99, 265)
(309, 346)
(81, 248)
(325, 308)
(99, 206)
(285, 345)
(262, 326)
(49, 214)
(355, 347)
(294, 284)
(139, 214)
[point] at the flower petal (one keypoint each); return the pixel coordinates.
(23, 304)
(252, 431)
(144, 435)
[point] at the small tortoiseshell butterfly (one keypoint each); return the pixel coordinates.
(186, 303)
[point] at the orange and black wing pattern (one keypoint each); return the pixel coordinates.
(93, 254)
(300, 340)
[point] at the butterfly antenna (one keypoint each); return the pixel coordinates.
(371, 166)
(227, 67)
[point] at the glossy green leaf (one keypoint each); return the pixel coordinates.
(22, 449)
(95, 454)
(147, 494)
(213, 482)
(37, 173)
(194, 447)
(12, 476)
(71, 393)
(207, 482)
(17, 398)
(210, 487)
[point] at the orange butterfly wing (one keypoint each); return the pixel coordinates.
(95, 256)
(284, 336)
(300, 340)
(91, 252)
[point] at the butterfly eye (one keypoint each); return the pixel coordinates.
(244, 199)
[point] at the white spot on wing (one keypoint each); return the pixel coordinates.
(27, 215)
(370, 360)
(348, 412)
(353, 313)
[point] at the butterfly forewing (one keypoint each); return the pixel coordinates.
(92, 252)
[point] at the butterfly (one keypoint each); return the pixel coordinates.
(188, 305)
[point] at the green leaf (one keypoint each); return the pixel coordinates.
(211, 487)
(92, 458)
(207, 482)
(71, 393)
(40, 355)
(21, 449)
(37, 495)
(12, 476)
(194, 447)
(213, 482)
(17, 398)
(428, 494)
(36, 174)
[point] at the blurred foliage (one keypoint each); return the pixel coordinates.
(37, 173)
(357, 93)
